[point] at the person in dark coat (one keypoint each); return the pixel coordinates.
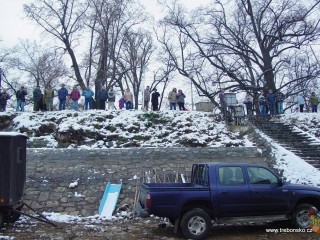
(37, 98)
(180, 100)
(4, 97)
(62, 95)
(155, 100)
(102, 97)
(21, 99)
(249, 104)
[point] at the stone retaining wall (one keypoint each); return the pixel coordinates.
(51, 171)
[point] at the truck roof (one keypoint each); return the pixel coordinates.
(231, 164)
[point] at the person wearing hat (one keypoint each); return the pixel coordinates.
(155, 100)
(21, 99)
(4, 97)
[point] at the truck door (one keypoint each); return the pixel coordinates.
(232, 192)
(267, 196)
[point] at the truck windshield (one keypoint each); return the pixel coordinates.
(200, 175)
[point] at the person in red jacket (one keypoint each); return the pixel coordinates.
(75, 95)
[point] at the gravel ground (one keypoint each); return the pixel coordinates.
(140, 229)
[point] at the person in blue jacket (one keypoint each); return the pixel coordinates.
(271, 100)
(88, 94)
(62, 95)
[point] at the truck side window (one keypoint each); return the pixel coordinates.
(230, 176)
(258, 175)
(201, 175)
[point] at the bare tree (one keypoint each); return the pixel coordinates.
(244, 47)
(111, 20)
(137, 50)
(43, 66)
(63, 20)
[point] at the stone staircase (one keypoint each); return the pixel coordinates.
(298, 142)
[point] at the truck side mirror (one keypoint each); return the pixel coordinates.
(281, 181)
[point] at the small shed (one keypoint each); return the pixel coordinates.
(230, 99)
(204, 106)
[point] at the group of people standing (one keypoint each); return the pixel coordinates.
(153, 96)
(104, 96)
(174, 98)
(271, 103)
(126, 100)
(62, 94)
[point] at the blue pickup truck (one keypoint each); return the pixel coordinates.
(228, 193)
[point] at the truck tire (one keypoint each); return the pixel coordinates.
(300, 218)
(196, 224)
(1, 220)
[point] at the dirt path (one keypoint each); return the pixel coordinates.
(142, 229)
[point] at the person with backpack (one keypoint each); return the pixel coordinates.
(62, 95)
(75, 96)
(48, 96)
(4, 97)
(21, 99)
(88, 95)
(111, 98)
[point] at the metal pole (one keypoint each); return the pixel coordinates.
(315, 56)
(192, 96)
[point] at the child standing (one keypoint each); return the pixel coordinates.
(122, 101)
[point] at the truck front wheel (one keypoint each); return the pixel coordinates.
(301, 217)
(195, 224)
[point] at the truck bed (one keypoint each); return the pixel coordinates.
(167, 198)
(157, 187)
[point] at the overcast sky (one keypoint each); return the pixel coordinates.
(14, 26)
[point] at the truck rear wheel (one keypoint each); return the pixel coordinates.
(1, 220)
(195, 224)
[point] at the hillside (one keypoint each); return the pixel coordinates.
(118, 129)
(96, 129)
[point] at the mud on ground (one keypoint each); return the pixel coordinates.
(142, 229)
